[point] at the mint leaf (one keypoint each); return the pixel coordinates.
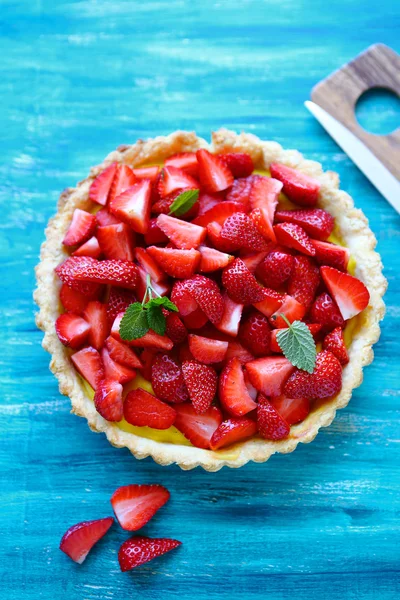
(164, 302)
(134, 322)
(298, 345)
(184, 202)
(156, 319)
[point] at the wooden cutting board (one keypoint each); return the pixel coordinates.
(377, 67)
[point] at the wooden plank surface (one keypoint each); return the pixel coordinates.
(76, 80)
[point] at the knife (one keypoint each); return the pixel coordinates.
(366, 161)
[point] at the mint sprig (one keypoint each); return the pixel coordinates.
(298, 345)
(184, 202)
(140, 317)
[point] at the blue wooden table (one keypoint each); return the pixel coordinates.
(76, 80)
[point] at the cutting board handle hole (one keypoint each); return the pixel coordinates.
(378, 111)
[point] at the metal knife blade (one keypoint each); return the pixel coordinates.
(365, 160)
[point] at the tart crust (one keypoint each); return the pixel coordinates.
(352, 226)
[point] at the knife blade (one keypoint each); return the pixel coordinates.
(366, 161)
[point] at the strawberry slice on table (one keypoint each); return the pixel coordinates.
(149, 265)
(104, 218)
(118, 301)
(232, 431)
(116, 241)
(96, 315)
(154, 235)
(293, 311)
(238, 231)
(297, 186)
(206, 350)
(122, 354)
(255, 334)
(212, 259)
(293, 410)
(331, 255)
(294, 236)
(66, 272)
(89, 364)
(149, 340)
(72, 300)
(150, 173)
(134, 505)
(268, 375)
(229, 324)
(82, 227)
(239, 163)
(183, 299)
(304, 280)
(201, 382)
(252, 259)
(167, 380)
(122, 273)
(263, 201)
(133, 206)
(324, 382)
(142, 409)
(90, 248)
(114, 371)
(174, 328)
(207, 295)
(140, 550)
(72, 330)
(318, 223)
(198, 429)
(241, 285)
(270, 303)
(233, 393)
(173, 179)
(101, 185)
(176, 263)
(80, 538)
(185, 161)
(214, 175)
(236, 350)
(108, 400)
(124, 178)
(325, 311)
(334, 342)
(218, 213)
(276, 268)
(271, 425)
(183, 235)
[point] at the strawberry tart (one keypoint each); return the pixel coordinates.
(208, 304)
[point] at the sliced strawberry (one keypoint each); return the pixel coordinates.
(139, 550)
(298, 187)
(240, 284)
(276, 268)
(293, 311)
(236, 350)
(331, 255)
(271, 425)
(124, 178)
(293, 410)
(72, 300)
(239, 163)
(150, 173)
(154, 235)
(183, 299)
(229, 324)
(318, 223)
(134, 505)
(241, 190)
(201, 383)
(176, 263)
(116, 241)
(149, 340)
(304, 280)
(233, 392)
(90, 248)
(82, 227)
(173, 179)
(167, 380)
(293, 236)
(185, 161)
(114, 371)
(149, 265)
(104, 218)
(66, 272)
(214, 175)
(255, 334)
(108, 400)
(163, 205)
(232, 431)
(145, 410)
(118, 301)
(183, 235)
(122, 273)
(216, 240)
(206, 350)
(195, 320)
(198, 429)
(133, 206)
(334, 342)
(268, 375)
(101, 185)
(208, 201)
(72, 330)
(252, 259)
(162, 289)
(96, 315)
(313, 327)
(147, 358)
(175, 329)
(239, 231)
(218, 213)
(80, 538)
(184, 353)
(122, 354)
(212, 259)
(263, 224)
(325, 311)
(263, 201)
(207, 295)
(324, 382)
(271, 302)
(89, 364)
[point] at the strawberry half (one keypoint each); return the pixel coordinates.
(331, 255)
(145, 410)
(185, 161)
(293, 410)
(298, 187)
(183, 235)
(232, 431)
(212, 259)
(325, 311)
(293, 311)
(82, 227)
(214, 231)
(183, 299)
(201, 383)
(134, 505)
(104, 218)
(349, 293)
(206, 350)
(276, 268)
(140, 550)
(175, 329)
(114, 371)
(72, 330)
(268, 375)
(214, 175)
(229, 324)
(133, 206)
(334, 342)
(207, 295)
(270, 303)
(236, 350)
(252, 259)
(240, 192)
(80, 538)
(318, 223)
(233, 393)
(176, 263)
(173, 179)
(271, 425)
(167, 380)
(255, 334)
(72, 300)
(122, 354)
(324, 382)
(89, 364)
(122, 273)
(96, 315)
(90, 248)
(154, 235)
(116, 241)
(198, 429)
(239, 163)
(108, 400)
(304, 280)
(149, 265)
(101, 185)
(150, 173)
(263, 201)
(239, 231)
(293, 236)
(241, 285)
(124, 178)
(118, 301)
(218, 213)
(66, 272)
